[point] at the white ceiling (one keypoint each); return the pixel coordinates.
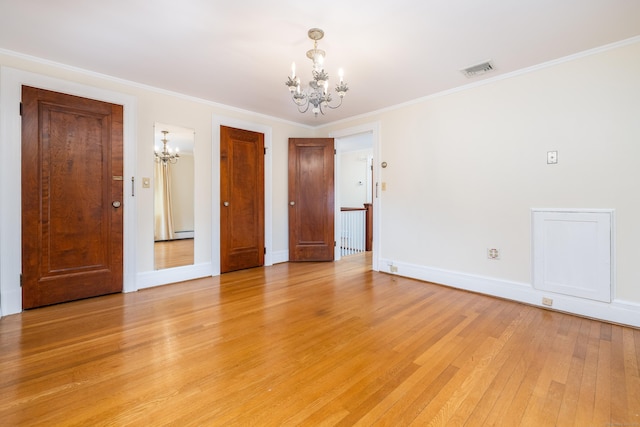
(239, 53)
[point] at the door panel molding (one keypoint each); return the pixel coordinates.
(311, 199)
(218, 121)
(72, 211)
(242, 189)
(11, 81)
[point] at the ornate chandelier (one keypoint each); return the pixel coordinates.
(317, 94)
(166, 155)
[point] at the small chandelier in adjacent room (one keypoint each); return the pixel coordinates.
(166, 155)
(317, 95)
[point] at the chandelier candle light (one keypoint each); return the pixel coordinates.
(317, 94)
(166, 155)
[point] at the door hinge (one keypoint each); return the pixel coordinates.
(335, 244)
(265, 251)
(335, 151)
(20, 279)
(265, 151)
(21, 108)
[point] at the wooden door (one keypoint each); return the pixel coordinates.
(242, 199)
(311, 199)
(72, 197)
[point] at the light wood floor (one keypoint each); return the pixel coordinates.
(314, 344)
(173, 253)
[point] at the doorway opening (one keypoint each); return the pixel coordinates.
(357, 192)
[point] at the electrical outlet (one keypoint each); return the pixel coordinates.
(552, 157)
(493, 253)
(393, 268)
(547, 301)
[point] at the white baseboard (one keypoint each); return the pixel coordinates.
(280, 256)
(11, 301)
(179, 235)
(618, 311)
(150, 279)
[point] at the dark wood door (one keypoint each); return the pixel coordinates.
(311, 199)
(242, 199)
(72, 197)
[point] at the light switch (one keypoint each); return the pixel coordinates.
(384, 186)
(552, 157)
(146, 182)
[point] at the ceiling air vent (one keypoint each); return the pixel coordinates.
(478, 70)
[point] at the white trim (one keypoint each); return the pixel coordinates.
(374, 129)
(149, 279)
(337, 215)
(218, 121)
(280, 257)
(618, 311)
(11, 81)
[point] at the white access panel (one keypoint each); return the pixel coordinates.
(572, 253)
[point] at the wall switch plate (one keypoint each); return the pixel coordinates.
(146, 182)
(552, 157)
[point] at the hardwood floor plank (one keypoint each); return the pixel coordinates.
(603, 395)
(473, 375)
(313, 344)
(489, 397)
(587, 396)
(531, 367)
(569, 405)
(632, 374)
(410, 396)
(498, 401)
(552, 403)
(619, 384)
(553, 376)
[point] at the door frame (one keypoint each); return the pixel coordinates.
(11, 81)
(374, 129)
(218, 121)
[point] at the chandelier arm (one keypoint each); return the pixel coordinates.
(305, 105)
(320, 107)
(336, 106)
(305, 110)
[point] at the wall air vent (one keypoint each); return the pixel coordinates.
(478, 70)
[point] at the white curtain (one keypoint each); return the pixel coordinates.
(163, 213)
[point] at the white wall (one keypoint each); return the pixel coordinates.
(354, 180)
(465, 169)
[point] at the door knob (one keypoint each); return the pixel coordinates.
(226, 203)
(115, 204)
(292, 203)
